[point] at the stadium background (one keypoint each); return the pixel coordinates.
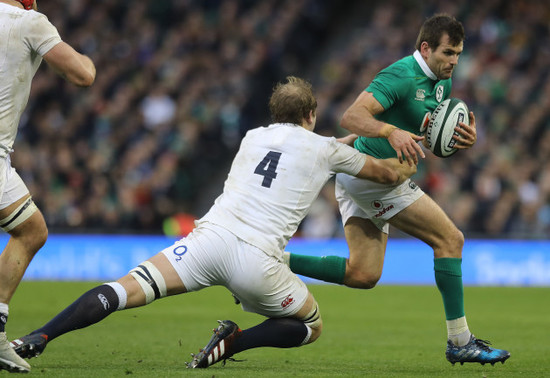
(147, 147)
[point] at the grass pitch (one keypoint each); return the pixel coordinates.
(390, 331)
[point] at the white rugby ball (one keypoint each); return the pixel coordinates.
(441, 128)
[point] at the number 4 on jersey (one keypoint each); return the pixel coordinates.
(267, 168)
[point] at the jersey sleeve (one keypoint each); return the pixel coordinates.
(39, 34)
(345, 159)
(388, 87)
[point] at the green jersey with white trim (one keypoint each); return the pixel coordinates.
(407, 90)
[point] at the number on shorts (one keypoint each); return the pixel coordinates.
(267, 168)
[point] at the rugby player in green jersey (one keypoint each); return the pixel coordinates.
(389, 116)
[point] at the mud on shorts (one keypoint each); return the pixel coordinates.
(211, 255)
(377, 202)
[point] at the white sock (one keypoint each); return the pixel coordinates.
(121, 293)
(458, 332)
(286, 258)
(4, 312)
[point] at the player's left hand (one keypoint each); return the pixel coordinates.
(468, 134)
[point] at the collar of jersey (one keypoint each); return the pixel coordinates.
(423, 65)
(285, 124)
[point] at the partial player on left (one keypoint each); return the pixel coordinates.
(26, 37)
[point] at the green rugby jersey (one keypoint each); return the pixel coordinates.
(407, 93)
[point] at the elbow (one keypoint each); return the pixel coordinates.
(85, 80)
(345, 122)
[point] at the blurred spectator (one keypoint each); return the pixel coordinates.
(182, 81)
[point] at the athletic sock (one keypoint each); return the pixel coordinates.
(326, 268)
(4, 312)
(275, 332)
(448, 277)
(458, 332)
(90, 308)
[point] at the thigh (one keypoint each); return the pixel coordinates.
(265, 285)
(134, 292)
(425, 220)
(12, 187)
(203, 258)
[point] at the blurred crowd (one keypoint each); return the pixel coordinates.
(180, 81)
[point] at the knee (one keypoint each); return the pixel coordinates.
(361, 279)
(41, 236)
(37, 237)
(455, 243)
(450, 244)
(315, 332)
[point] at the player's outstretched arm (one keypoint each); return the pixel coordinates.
(386, 171)
(348, 139)
(71, 65)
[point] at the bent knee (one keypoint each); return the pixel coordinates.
(361, 279)
(449, 245)
(315, 332)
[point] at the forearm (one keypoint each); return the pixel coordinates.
(361, 122)
(379, 171)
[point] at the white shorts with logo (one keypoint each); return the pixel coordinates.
(12, 187)
(377, 202)
(211, 255)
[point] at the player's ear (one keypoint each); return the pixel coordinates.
(311, 119)
(425, 49)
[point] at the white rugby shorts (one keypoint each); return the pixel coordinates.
(367, 199)
(211, 255)
(12, 186)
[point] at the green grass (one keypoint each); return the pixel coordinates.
(391, 331)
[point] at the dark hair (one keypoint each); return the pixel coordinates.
(292, 101)
(434, 27)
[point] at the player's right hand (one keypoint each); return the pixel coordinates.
(406, 146)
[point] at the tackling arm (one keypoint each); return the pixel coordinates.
(71, 65)
(386, 171)
(359, 119)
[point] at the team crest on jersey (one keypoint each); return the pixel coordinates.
(287, 301)
(420, 94)
(439, 93)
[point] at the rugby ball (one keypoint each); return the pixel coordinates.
(441, 128)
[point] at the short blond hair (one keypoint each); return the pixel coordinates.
(292, 101)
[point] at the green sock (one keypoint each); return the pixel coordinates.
(448, 277)
(326, 268)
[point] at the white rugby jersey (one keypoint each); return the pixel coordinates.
(275, 177)
(25, 36)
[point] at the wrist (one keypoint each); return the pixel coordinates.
(386, 130)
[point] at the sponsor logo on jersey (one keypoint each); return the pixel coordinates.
(287, 301)
(179, 251)
(383, 211)
(104, 301)
(439, 93)
(376, 204)
(420, 94)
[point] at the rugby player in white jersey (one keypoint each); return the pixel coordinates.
(276, 175)
(26, 37)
